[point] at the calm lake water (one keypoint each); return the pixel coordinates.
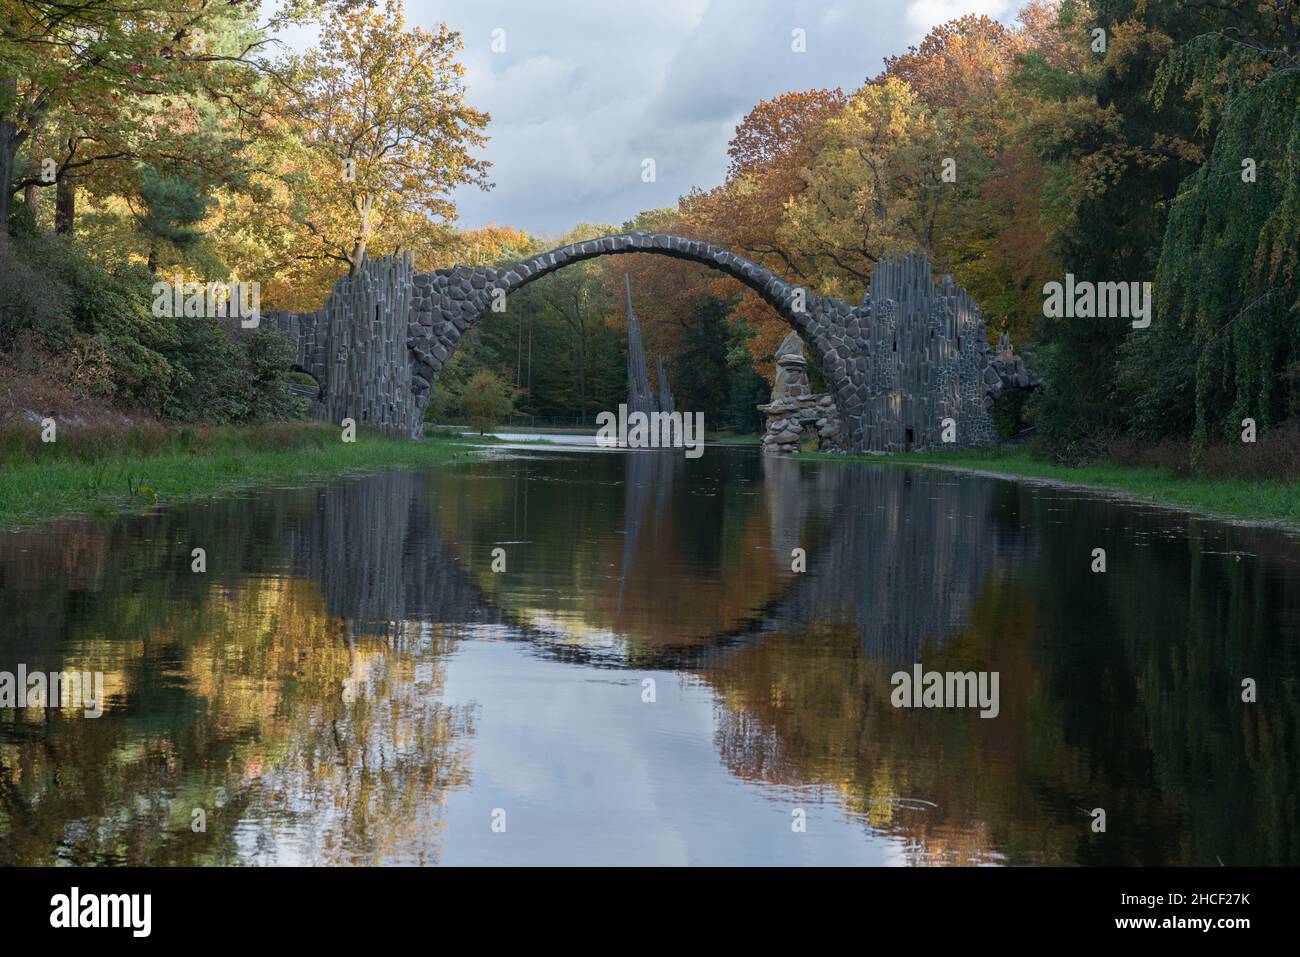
(351, 681)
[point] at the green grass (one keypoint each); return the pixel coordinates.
(103, 474)
(50, 481)
(1274, 501)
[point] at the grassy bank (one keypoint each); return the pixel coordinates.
(101, 474)
(1235, 498)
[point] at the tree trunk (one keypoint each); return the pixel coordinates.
(8, 129)
(580, 329)
(357, 256)
(363, 234)
(32, 197)
(582, 375)
(65, 204)
(580, 333)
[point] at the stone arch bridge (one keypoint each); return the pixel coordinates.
(913, 353)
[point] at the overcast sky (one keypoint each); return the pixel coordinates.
(587, 89)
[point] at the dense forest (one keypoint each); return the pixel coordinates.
(1112, 140)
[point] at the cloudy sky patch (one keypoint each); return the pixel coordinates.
(587, 89)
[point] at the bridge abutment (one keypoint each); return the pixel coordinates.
(355, 347)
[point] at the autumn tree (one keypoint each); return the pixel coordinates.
(487, 246)
(387, 133)
(769, 154)
(875, 187)
(93, 91)
(958, 63)
(999, 239)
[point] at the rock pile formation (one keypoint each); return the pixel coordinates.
(794, 411)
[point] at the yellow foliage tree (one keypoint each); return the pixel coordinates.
(875, 186)
(487, 399)
(386, 131)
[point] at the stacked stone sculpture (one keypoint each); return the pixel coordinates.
(793, 410)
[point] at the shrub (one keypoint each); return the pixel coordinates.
(1274, 457)
(95, 328)
(486, 399)
(30, 301)
(1009, 413)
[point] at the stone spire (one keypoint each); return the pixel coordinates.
(666, 403)
(639, 396)
(791, 370)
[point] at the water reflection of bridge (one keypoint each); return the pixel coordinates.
(900, 555)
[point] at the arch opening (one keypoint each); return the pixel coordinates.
(306, 384)
(775, 291)
(449, 301)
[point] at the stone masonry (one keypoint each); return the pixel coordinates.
(794, 410)
(355, 347)
(909, 355)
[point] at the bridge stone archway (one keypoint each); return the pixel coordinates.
(912, 354)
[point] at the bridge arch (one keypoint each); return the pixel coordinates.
(449, 301)
(779, 294)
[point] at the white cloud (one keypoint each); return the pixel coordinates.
(587, 89)
(924, 14)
